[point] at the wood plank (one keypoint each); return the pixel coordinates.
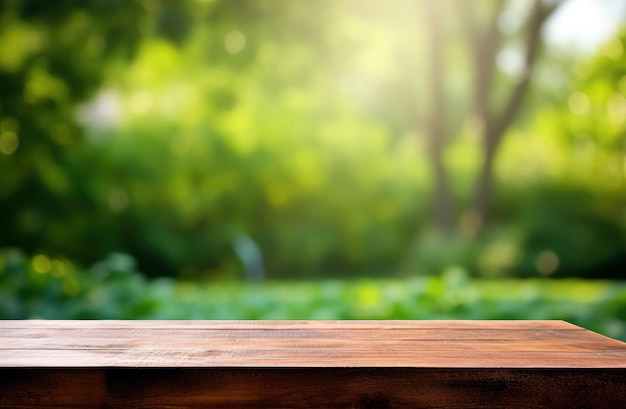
(310, 359)
(308, 364)
(52, 388)
(97, 336)
(417, 333)
(414, 344)
(358, 388)
(239, 344)
(291, 324)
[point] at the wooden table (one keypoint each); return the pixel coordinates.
(309, 364)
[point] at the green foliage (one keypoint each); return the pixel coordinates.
(43, 287)
(296, 126)
(55, 289)
(563, 177)
(54, 56)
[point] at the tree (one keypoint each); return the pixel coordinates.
(56, 55)
(485, 39)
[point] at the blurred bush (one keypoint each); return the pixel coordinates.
(40, 287)
(168, 130)
(43, 287)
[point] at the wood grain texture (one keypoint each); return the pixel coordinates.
(266, 388)
(308, 364)
(409, 344)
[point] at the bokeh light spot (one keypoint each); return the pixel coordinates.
(470, 223)
(118, 200)
(368, 296)
(617, 109)
(277, 194)
(57, 268)
(9, 123)
(141, 102)
(267, 53)
(579, 103)
(547, 262)
(41, 263)
(234, 41)
(180, 145)
(9, 142)
(61, 134)
(71, 287)
(622, 85)
(498, 258)
(96, 45)
(511, 61)
(613, 49)
(151, 6)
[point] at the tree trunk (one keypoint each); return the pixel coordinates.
(496, 124)
(483, 192)
(436, 119)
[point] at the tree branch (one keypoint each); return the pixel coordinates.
(496, 124)
(539, 14)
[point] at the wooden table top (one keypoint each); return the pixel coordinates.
(298, 344)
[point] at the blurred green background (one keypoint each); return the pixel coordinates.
(336, 159)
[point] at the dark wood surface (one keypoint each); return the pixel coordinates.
(309, 364)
